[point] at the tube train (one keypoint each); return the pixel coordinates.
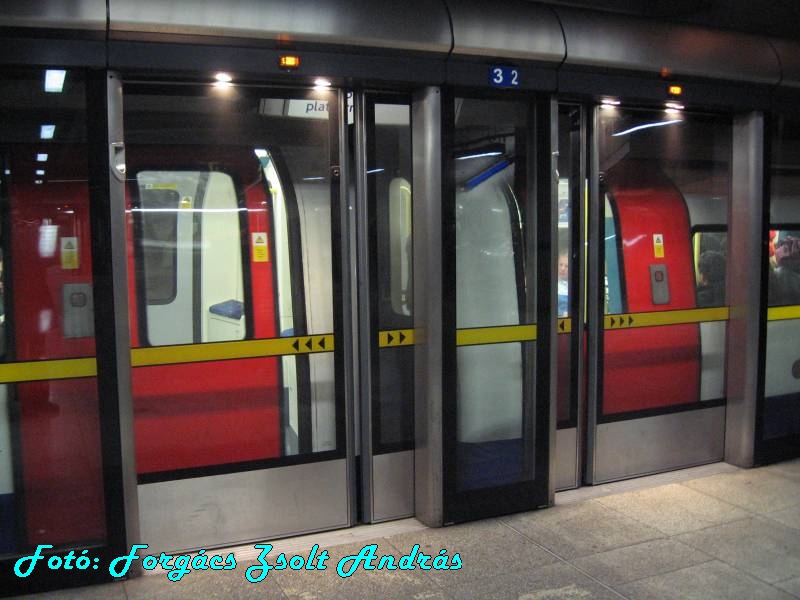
(225, 239)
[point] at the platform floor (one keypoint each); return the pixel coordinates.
(715, 532)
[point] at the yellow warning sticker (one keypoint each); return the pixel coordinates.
(69, 253)
(260, 247)
(658, 245)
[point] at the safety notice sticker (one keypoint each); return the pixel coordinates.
(260, 248)
(69, 253)
(658, 245)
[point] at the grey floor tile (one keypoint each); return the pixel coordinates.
(484, 547)
(708, 581)
(624, 565)
(108, 591)
(789, 468)
(789, 517)
(674, 508)
(755, 546)
(553, 582)
(792, 586)
(205, 584)
(362, 583)
(580, 529)
(756, 490)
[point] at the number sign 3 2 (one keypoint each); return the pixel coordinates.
(504, 76)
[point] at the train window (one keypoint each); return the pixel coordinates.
(191, 246)
(159, 242)
(710, 262)
(400, 244)
(784, 267)
(613, 277)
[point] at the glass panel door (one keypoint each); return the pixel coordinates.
(386, 244)
(659, 296)
(491, 463)
(236, 312)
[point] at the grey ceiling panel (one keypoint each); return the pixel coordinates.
(408, 25)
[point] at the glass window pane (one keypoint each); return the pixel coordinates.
(231, 240)
(491, 149)
(389, 183)
(781, 417)
(51, 471)
(665, 175)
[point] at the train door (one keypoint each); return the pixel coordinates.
(654, 318)
(385, 305)
(235, 283)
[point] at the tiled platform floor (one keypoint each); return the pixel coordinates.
(731, 535)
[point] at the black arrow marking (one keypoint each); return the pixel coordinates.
(402, 337)
(322, 343)
(613, 322)
(389, 338)
(561, 325)
(308, 343)
(296, 345)
(630, 321)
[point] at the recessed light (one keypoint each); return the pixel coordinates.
(46, 132)
(54, 80)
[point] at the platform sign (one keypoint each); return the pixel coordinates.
(504, 77)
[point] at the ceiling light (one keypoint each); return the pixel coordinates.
(224, 77)
(46, 132)
(41, 157)
(40, 171)
(54, 80)
(319, 82)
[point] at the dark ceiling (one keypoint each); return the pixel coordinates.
(776, 18)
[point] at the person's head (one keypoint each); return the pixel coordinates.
(787, 253)
(563, 265)
(712, 266)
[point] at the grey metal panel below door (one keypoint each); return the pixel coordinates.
(655, 444)
(235, 508)
(393, 486)
(566, 459)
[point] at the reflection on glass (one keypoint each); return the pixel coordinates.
(490, 151)
(389, 186)
(663, 176)
(781, 416)
(230, 240)
(51, 469)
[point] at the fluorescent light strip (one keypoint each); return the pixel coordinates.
(313, 178)
(41, 157)
(54, 80)
(375, 171)
(46, 132)
(647, 126)
(40, 172)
